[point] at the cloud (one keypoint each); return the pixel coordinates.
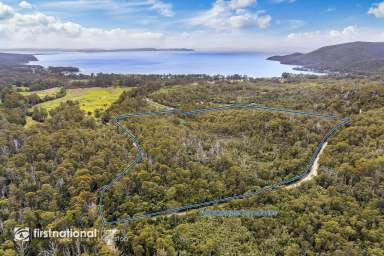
(311, 40)
(41, 30)
(25, 5)
(6, 12)
(223, 15)
(348, 31)
(249, 20)
(272, 43)
(238, 4)
(164, 9)
(377, 10)
(113, 7)
(31, 28)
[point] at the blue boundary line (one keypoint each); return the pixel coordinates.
(344, 121)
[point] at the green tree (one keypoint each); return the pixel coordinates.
(39, 114)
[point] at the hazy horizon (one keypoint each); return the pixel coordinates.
(239, 50)
(92, 50)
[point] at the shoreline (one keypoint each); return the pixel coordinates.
(225, 64)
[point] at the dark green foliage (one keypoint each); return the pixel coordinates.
(39, 114)
(13, 107)
(50, 173)
(14, 100)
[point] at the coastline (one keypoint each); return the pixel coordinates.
(212, 63)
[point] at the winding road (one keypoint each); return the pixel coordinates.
(309, 171)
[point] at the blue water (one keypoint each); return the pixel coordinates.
(168, 62)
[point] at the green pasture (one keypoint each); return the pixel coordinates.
(90, 99)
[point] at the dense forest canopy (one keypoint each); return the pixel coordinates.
(50, 172)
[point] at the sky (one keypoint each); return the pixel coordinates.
(257, 25)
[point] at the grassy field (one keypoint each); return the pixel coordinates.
(90, 98)
(41, 94)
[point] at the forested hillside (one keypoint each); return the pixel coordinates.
(14, 59)
(356, 57)
(50, 172)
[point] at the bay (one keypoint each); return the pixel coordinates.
(252, 64)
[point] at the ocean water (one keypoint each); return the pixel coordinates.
(168, 62)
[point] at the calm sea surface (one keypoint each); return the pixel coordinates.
(168, 62)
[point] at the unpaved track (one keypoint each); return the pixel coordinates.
(313, 173)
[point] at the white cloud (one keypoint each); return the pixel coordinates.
(25, 5)
(238, 4)
(6, 12)
(164, 9)
(250, 20)
(314, 39)
(377, 10)
(224, 16)
(41, 30)
(348, 31)
(36, 29)
(112, 7)
(273, 44)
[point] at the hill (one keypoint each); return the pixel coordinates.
(9, 59)
(356, 57)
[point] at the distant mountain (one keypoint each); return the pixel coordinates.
(94, 50)
(9, 59)
(356, 57)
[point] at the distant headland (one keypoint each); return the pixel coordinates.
(355, 57)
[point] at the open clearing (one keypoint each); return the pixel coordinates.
(42, 93)
(90, 99)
